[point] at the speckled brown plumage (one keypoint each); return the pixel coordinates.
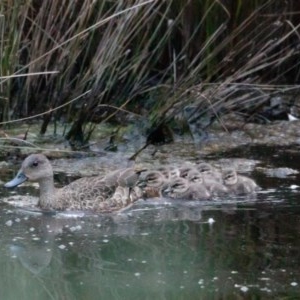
(98, 193)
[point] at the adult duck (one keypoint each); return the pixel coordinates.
(98, 194)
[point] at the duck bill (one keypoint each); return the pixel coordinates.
(20, 178)
(141, 184)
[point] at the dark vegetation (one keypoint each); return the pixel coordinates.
(159, 64)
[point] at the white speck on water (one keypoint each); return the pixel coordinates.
(98, 225)
(129, 259)
(144, 261)
(46, 242)
(17, 220)
(48, 250)
(211, 221)
(35, 238)
(161, 282)
(215, 278)
(75, 228)
(105, 241)
(265, 289)
(182, 287)
(294, 186)
(61, 247)
(26, 218)
(244, 289)
(159, 273)
(294, 283)
(137, 274)
(145, 233)
(81, 283)
(200, 281)
(185, 272)
(283, 270)
(234, 272)
(9, 223)
(19, 238)
(264, 278)
(71, 243)
(31, 229)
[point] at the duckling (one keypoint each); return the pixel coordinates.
(215, 188)
(169, 172)
(209, 172)
(185, 168)
(239, 184)
(151, 182)
(181, 188)
(89, 193)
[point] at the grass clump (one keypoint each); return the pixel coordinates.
(95, 61)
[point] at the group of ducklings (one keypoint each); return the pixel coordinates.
(194, 182)
(122, 187)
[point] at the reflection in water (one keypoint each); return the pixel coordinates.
(33, 257)
(158, 249)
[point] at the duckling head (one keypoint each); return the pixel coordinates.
(230, 177)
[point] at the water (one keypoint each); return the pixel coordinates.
(235, 248)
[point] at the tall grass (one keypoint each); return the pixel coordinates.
(155, 56)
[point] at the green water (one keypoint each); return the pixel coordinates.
(236, 248)
(155, 251)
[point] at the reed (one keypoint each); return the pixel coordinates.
(160, 57)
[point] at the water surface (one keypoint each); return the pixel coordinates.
(234, 248)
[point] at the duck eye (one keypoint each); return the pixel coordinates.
(35, 164)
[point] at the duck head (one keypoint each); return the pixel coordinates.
(36, 167)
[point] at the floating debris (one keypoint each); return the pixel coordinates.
(9, 223)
